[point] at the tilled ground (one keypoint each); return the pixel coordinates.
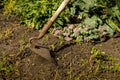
(75, 61)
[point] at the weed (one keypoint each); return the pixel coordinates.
(104, 62)
(96, 67)
(22, 44)
(56, 75)
(52, 47)
(7, 32)
(7, 68)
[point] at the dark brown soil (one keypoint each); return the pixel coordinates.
(75, 61)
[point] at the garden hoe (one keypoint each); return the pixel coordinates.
(44, 52)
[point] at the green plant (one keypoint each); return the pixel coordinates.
(22, 43)
(36, 13)
(8, 6)
(81, 33)
(6, 67)
(95, 22)
(111, 13)
(82, 13)
(115, 19)
(100, 10)
(101, 57)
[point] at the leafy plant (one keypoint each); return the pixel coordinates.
(81, 33)
(111, 13)
(36, 13)
(82, 13)
(115, 19)
(95, 13)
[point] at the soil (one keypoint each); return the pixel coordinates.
(74, 61)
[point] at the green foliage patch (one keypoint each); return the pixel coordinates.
(92, 13)
(36, 13)
(95, 19)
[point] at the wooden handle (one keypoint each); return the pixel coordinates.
(51, 20)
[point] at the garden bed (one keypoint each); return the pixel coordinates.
(86, 61)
